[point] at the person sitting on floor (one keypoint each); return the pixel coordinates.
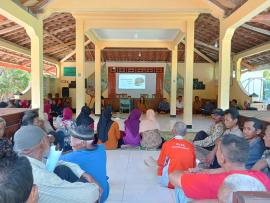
(108, 130)
(207, 139)
(197, 105)
(91, 158)
(208, 108)
(32, 118)
(234, 104)
(2, 127)
(264, 163)
(163, 106)
(16, 178)
(142, 105)
(179, 104)
(132, 126)
(65, 124)
(251, 131)
(232, 155)
(176, 154)
(33, 143)
(84, 117)
(150, 131)
(231, 117)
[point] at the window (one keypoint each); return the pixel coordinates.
(13, 81)
(257, 82)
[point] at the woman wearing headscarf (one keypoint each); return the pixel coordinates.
(107, 130)
(84, 118)
(65, 124)
(132, 125)
(149, 130)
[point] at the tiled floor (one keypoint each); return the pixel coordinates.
(131, 181)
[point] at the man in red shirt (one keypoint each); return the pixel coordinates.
(232, 154)
(176, 154)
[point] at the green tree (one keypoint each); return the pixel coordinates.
(266, 75)
(12, 81)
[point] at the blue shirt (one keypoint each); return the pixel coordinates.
(256, 149)
(164, 106)
(92, 162)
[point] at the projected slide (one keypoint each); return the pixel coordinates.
(131, 81)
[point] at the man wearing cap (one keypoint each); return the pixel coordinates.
(207, 140)
(91, 158)
(32, 142)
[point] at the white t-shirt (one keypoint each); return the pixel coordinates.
(179, 105)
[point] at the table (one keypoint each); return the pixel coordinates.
(13, 117)
(151, 103)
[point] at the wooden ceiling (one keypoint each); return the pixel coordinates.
(59, 38)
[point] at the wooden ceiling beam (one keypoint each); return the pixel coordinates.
(263, 19)
(62, 29)
(14, 55)
(5, 22)
(13, 66)
(21, 50)
(10, 29)
(59, 46)
(46, 32)
(256, 29)
(206, 45)
(73, 52)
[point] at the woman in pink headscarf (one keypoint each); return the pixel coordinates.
(132, 124)
(150, 131)
(47, 110)
(65, 124)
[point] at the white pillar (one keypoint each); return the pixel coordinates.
(97, 80)
(188, 75)
(174, 80)
(80, 65)
(36, 36)
(224, 68)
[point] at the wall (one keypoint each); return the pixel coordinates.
(203, 71)
(237, 93)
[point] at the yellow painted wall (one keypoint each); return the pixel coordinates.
(204, 72)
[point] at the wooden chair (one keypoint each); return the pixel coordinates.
(144, 95)
(251, 197)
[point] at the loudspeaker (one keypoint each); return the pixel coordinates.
(65, 92)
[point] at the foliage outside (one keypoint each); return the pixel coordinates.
(12, 81)
(266, 86)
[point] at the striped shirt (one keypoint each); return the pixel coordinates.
(53, 189)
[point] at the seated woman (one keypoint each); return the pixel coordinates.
(149, 130)
(65, 124)
(132, 124)
(84, 117)
(107, 130)
(141, 105)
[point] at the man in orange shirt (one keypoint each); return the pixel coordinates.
(176, 154)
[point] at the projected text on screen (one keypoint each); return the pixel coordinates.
(131, 81)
